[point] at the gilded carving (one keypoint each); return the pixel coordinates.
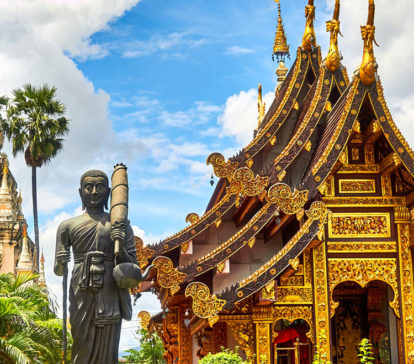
(309, 38)
(363, 201)
(289, 202)
(143, 253)
(363, 271)
(192, 218)
(145, 318)
(269, 291)
(205, 305)
(222, 169)
(386, 185)
(406, 284)
(357, 247)
(243, 333)
(321, 302)
(333, 58)
(355, 154)
(263, 342)
(168, 276)
(245, 183)
(357, 186)
(294, 295)
(327, 188)
(292, 313)
(359, 168)
(364, 224)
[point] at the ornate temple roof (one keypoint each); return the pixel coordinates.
(274, 186)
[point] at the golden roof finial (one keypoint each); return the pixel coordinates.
(309, 38)
(261, 105)
(369, 65)
(280, 47)
(334, 57)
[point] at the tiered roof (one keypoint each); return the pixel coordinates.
(273, 187)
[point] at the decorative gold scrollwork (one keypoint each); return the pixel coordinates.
(244, 183)
(145, 318)
(289, 202)
(192, 218)
(317, 211)
(205, 305)
(168, 276)
(222, 169)
(363, 271)
(143, 252)
(292, 313)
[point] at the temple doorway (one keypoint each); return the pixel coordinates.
(291, 344)
(364, 313)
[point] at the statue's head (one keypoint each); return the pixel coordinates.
(94, 190)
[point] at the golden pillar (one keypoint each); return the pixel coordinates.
(184, 338)
(263, 319)
(402, 219)
(321, 303)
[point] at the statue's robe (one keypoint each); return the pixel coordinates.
(95, 313)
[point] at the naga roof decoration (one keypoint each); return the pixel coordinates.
(319, 112)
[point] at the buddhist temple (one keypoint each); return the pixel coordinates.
(17, 251)
(306, 244)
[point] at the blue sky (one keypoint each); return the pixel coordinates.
(160, 85)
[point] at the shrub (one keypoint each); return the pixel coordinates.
(225, 357)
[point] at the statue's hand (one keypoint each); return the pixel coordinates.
(117, 233)
(63, 257)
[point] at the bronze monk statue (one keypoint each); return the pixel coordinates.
(96, 304)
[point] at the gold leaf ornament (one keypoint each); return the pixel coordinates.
(205, 305)
(289, 202)
(145, 318)
(222, 169)
(168, 276)
(192, 218)
(143, 253)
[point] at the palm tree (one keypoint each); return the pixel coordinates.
(29, 331)
(35, 123)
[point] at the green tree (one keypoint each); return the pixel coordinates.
(365, 353)
(35, 124)
(29, 331)
(151, 349)
(225, 357)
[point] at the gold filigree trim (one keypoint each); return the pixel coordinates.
(310, 112)
(168, 276)
(222, 169)
(357, 186)
(192, 218)
(292, 313)
(364, 201)
(286, 96)
(245, 183)
(357, 247)
(205, 305)
(345, 112)
(289, 202)
(239, 233)
(364, 224)
(317, 211)
(243, 333)
(145, 318)
(143, 253)
(363, 271)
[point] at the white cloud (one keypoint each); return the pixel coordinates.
(239, 118)
(162, 43)
(236, 51)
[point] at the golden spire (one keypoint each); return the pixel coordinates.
(280, 47)
(369, 65)
(309, 38)
(5, 168)
(334, 57)
(261, 106)
(24, 231)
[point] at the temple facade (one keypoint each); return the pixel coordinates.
(306, 245)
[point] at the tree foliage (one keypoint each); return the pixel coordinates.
(35, 124)
(151, 349)
(30, 332)
(225, 357)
